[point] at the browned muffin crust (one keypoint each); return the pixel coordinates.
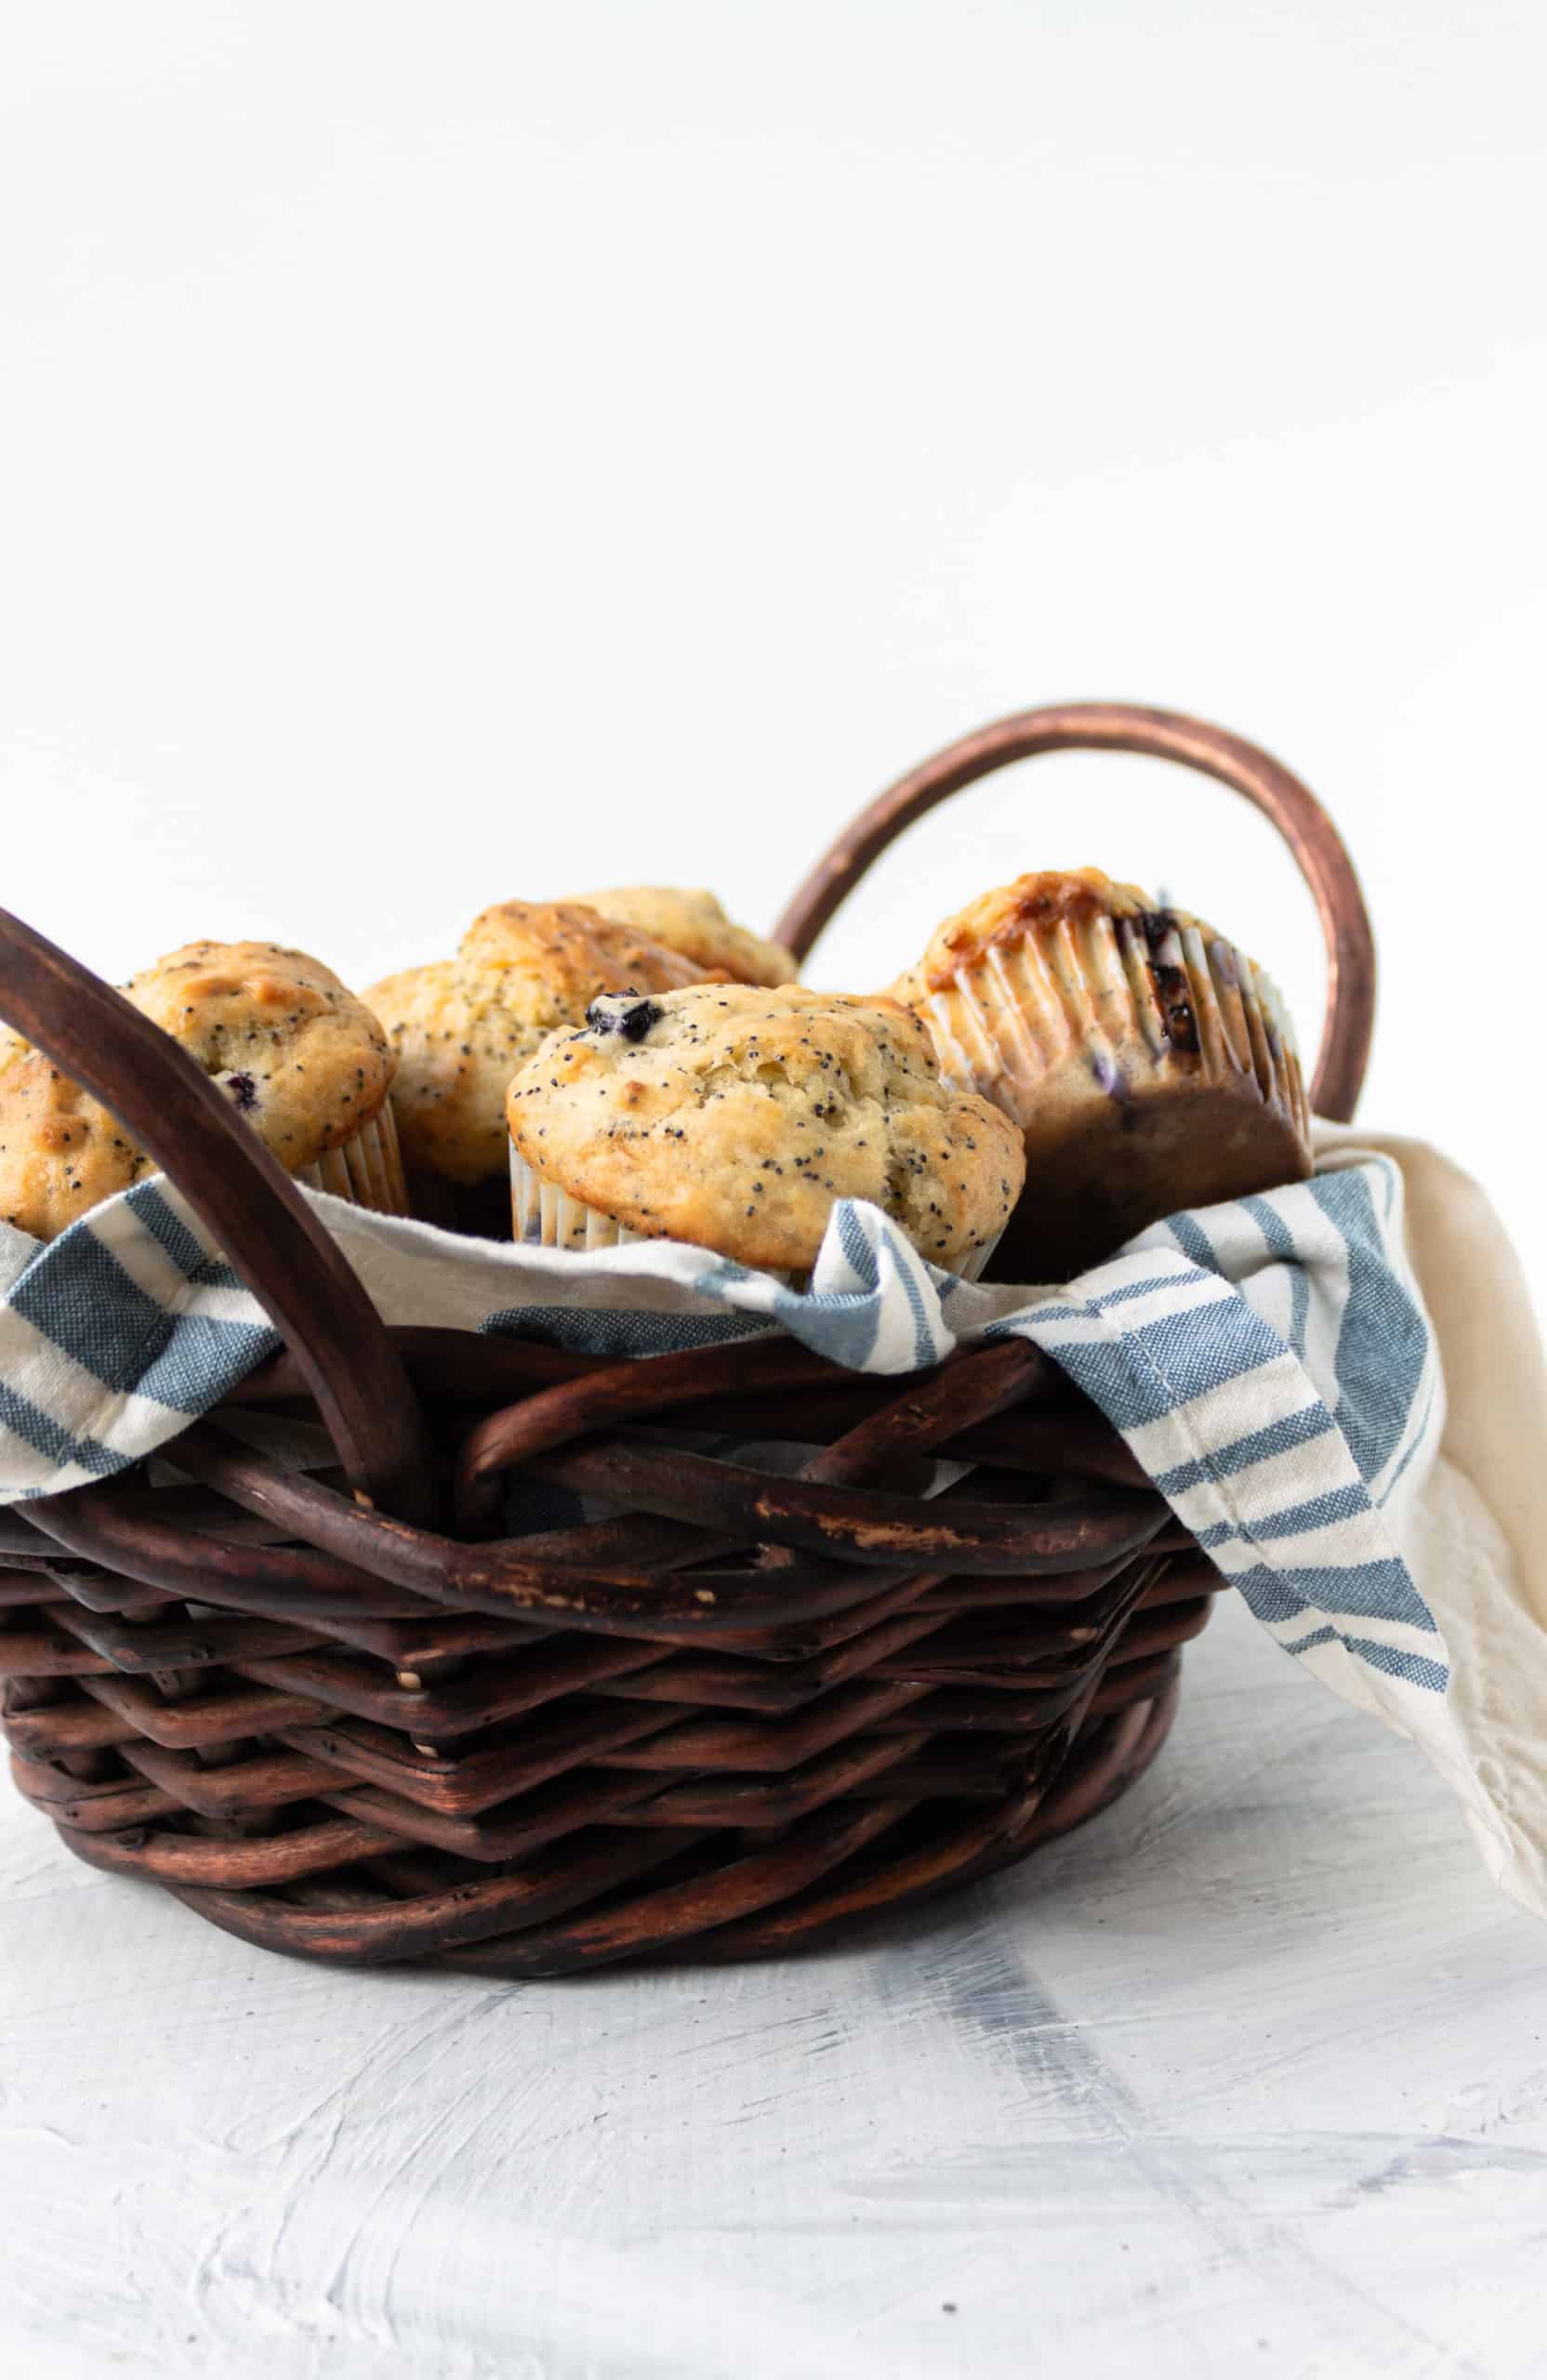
(1036, 904)
(690, 919)
(461, 1027)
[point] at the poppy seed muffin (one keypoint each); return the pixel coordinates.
(736, 1118)
(303, 1062)
(60, 1151)
(692, 922)
(461, 1027)
(1150, 1065)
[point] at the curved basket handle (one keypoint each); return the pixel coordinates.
(244, 1198)
(1168, 735)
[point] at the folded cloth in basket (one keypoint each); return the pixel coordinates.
(1280, 1365)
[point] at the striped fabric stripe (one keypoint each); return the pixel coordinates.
(1271, 1366)
(112, 1338)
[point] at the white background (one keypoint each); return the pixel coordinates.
(453, 452)
(460, 451)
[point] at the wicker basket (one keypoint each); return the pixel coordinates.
(338, 1715)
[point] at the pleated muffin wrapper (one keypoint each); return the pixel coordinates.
(367, 1170)
(1120, 996)
(545, 1216)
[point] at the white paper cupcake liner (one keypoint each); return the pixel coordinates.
(971, 1267)
(1091, 993)
(544, 1216)
(367, 1170)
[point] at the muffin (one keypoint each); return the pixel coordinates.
(734, 1117)
(301, 1060)
(694, 923)
(1150, 1065)
(461, 1027)
(60, 1153)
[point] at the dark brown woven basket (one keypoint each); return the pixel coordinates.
(341, 1716)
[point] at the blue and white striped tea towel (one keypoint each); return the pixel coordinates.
(1274, 1364)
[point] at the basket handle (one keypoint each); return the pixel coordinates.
(1168, 735)
(242, 1196)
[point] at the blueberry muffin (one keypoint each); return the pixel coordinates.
(301, 1059)
(1150, 1065)
(734, 1117)
(461, 1027)
(694, 923)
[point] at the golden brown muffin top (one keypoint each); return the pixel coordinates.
(690, 919)
(735, 1116)
(1031, 905)
(555, 956)
(302, 1060)
(461, 1027)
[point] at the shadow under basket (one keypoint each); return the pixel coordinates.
(342, 1714)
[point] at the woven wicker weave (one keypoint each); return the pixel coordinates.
(341, 1716)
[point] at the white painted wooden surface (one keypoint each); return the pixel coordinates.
(1250, 2077)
